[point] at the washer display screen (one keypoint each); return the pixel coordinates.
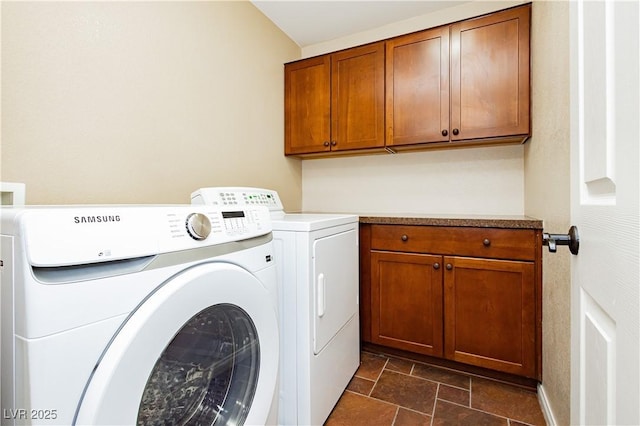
(207, 374)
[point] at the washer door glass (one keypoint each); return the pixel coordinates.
(189, 354)
(207, 374)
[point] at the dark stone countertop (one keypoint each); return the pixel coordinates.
(480, 221)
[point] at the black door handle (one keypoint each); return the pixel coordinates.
(571, 239)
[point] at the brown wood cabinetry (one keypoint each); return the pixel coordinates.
(335, 102)
(467, 83)
(307, 104)
(490, 76)
(417, 76)
(490, 318)
(406, 289)
(470, 295)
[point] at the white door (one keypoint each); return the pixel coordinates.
(335, 271)
(605, 364)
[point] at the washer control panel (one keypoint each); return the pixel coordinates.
(237, 196)
(68, 235)
(213, 225)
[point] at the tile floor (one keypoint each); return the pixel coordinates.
(388, 391)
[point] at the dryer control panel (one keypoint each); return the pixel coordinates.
(237, 196)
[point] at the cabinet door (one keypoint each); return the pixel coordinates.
(417, 76)
(357, 98)
(490, 314)
(490, 75)
(307, 105)
(406, 301)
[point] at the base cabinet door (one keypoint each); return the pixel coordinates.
(406, 301)
(490, 316)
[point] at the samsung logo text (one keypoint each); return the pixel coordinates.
(96, 219)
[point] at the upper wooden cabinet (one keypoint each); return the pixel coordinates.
(468, 81)
(490, 76)
(417, 75)
(307, 105)
(335, 102)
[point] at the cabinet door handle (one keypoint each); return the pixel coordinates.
(334, 143)
(436, 265)
(449, 266)
(456, 131)
(326, 143)
(486, 242)
(405, 237)
(445, 132)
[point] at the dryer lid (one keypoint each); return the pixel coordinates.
(307, 222)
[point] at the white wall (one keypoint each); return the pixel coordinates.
(143, 102)
(464, 181)
(468, 9)
(486, 180)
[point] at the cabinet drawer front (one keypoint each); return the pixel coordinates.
(517, 244)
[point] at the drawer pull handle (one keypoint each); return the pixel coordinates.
(486, 242)
(404, 237)
(436, 265)
(449, 266)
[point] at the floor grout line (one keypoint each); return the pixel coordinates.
(389, 403)
(393, 422)
(435, 401)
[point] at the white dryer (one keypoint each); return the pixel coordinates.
(317, 262)
(123, 315)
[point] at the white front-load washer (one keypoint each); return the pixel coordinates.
(317, 263)
(123, 315)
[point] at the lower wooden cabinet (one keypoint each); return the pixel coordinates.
(406, 289)
(490, 316)
(464, 299)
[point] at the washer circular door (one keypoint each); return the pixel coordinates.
(202, 349)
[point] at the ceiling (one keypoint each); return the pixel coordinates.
(308, 22)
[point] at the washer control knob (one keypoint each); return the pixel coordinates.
(198, 226)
